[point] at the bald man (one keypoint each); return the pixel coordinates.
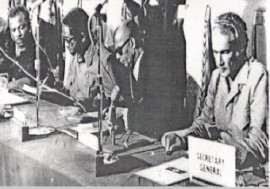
(130, 55)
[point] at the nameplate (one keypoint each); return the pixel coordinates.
(211, 161)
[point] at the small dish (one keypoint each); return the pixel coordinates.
(68, 111)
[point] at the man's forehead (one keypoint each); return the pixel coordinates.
(18, 19)
(121, 36)
(218, 30)
(221, 41)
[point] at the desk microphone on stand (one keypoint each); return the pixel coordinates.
(37, 64)
(99, 77)
(103, 159)
(39, 130)
(100, 154)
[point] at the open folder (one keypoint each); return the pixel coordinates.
(12, 99)
(167, 173)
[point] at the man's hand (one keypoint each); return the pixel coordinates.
(115, 93)
(240, 153)
(6, 110)
(240, 181)
(226, 138)
(18, 84)
(171, 142)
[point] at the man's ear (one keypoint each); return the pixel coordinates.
(132, 42)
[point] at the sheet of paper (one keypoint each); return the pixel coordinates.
(167, 173)
(9, 98)
(87, 128)
(92, 114)
(29, 89)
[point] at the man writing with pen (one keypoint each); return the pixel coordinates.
(82, 82)
(82, 76)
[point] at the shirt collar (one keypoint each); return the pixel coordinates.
(242, 76)
(136, 67)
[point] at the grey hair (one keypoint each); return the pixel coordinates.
(231, 22)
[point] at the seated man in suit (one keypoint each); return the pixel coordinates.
(235, 108)
(25, 51)
(129, 72)
(82, 76)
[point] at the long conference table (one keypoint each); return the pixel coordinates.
(61, 160)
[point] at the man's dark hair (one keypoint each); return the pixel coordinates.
(76, 19)
(234, 23)
(16, 11)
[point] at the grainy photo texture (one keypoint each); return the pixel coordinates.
(134, 93)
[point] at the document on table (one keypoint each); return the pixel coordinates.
(51, 95)
(89, 127)
(86, 134)
(9, 98)
(167, 173)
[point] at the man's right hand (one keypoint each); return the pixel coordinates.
(171, 142)
(18, 84)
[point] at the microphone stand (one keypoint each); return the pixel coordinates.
(100, 83)
(37, 65)
(39, 129)
(102, 157)
(100, 153)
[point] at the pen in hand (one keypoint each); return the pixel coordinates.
(78, 104)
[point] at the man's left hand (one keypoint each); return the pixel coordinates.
(240, 153)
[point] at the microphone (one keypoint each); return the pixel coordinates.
(100, 6)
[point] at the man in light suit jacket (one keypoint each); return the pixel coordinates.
(235, 109)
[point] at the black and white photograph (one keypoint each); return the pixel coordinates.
(134, 93)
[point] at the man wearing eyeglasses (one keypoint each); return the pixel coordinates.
(130, 55)
(82, 75)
